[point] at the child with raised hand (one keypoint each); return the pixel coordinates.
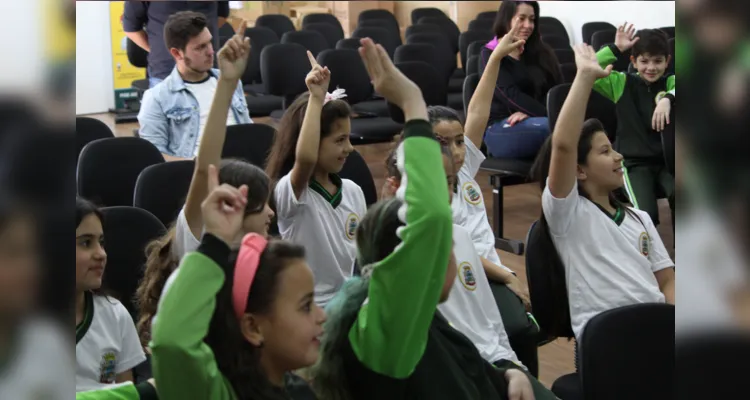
(165, 253)
(644, 103)
(612, 254)
(385, 339)
(235, 330)
(315, 207)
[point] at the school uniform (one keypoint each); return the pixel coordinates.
(184, 241)
(325, 224)
(471, 308)
(609, 260)
(468, 206)
(107, 343)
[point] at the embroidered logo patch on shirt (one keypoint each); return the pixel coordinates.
(352, 221)
(471, 193)
(107, 368)
(466, 276)
(644, 243)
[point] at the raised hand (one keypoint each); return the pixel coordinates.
(508, 43)
(233, 56)
(587, 63)
(625, 37)
(224, 208)
(386, 78)
(317, 79)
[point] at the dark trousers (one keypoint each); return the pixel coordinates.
(522, 333)
(540, 392)
(648, 182)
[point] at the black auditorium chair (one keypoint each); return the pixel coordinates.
(393, 32)
(108, 169)
(380, 36)
(423, 52)
(322, 18)
(283, 67)
(475, 48)
(641, 338)
(472, 65)
(568, 71)
(381, 15)
(329, 32)
(565, 56)
(226, 30)
(249, 142)
(487, 15)
(696, 350)
(356, 169)
(259, 102)
(553, 26)
(161, 189)
(278, 23)
(422, 28)
(466, 39)
(426, 77)
(482, 25)
(670, 68)
(598, 107)
(348, 44)
(418, 13)
(589, 28)
(556, 41)
(447, 67)
(504, 172)
(669, 30)
(348, 72)
(90, 129)
(604, 38)
(128, 230)
(310, 40)
(449, 28)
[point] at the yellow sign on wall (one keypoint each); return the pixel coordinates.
(123, 73)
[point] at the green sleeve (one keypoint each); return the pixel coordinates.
(612, 86)
(671, 85)
(184, 366)
(121, 392)
(390, 333)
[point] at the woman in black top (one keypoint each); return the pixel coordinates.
(518, 122)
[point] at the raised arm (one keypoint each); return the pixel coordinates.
(308, 143)
(232, 62)
(390, 333)
(567, 132)
(478, 112)
(613, 85)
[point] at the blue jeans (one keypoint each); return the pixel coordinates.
(521, 140)
(152, 81)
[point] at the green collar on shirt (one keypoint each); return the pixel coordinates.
(619, 215)
(334, 199)
(88, 316)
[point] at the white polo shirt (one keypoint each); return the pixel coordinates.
(471, 307)
(609, 261)
(468, 206)
(184, 242)
(204, 94)
(326, 225)
(107, 343)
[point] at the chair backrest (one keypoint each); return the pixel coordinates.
(108, 169)
(260, 37)
(310, 40)
(542, 264)
(226, 30)
(419, 52)
(348, 44)
(448, 58)
(568, 71)
(249, 142)
(347, 72)
(329, 32)
(472, 65)
(278, 23)
(449, 28)
(668, 143)
(556, 41)
(321, 18)
(418, 13)
(589, 28)
(469, 37)
(603, 38)
(128, 231)
(161, 189)
(669, 30)
(284, 67)
(694, 351)
(565, 56)
(598, 107)
(90, 129)
(379, 35)
(671, 67)
(389, 26)
(482, 25)
(470, 85)
(381, 15)
(475, 48)
(628, 353)
(356, 169)
(422, 28)
(136, 55)
(434, 90)
(552, 25)
(487, 15)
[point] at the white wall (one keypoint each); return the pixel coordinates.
(644, 14)
(94, 82)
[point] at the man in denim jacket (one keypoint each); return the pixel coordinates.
(173, 113)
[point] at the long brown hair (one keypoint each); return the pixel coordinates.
(159, 265)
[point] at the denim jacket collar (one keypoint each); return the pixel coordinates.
(176, 83)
